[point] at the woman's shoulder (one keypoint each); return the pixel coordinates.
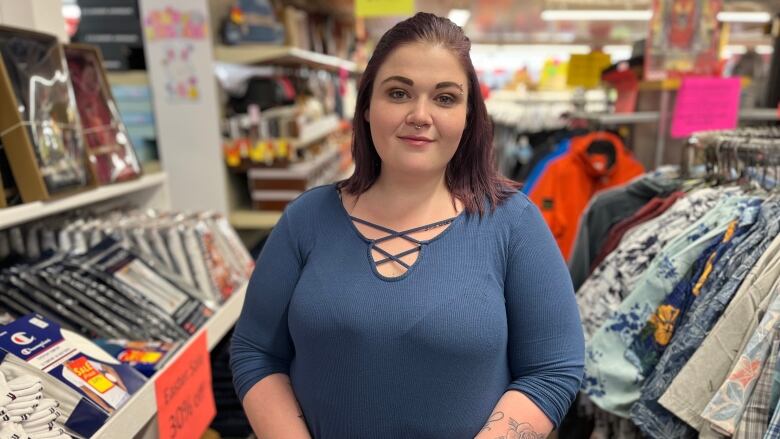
(514, 206)
(315, 197)
(312, 204)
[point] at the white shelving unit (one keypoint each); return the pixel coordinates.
(151, 187)
(141, 409)
(316, 131)
(281, 55)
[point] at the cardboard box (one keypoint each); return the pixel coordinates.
(111, 154)
(39, 122)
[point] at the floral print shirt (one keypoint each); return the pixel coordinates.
(616, 276)
(611, 381)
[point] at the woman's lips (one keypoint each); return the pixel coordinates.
(415, 140)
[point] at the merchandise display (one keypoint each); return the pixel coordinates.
(39, 123)
(112, 156)
(81, 390)
(593, 162)
(664, 312)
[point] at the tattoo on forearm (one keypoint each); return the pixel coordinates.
(496, 416)
(521, 431)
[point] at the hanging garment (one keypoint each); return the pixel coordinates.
(758, 413)
(706, 310)
(696, 383)
(615, 278)
(725, 409)
(605, 210)
(653, 339)
(561, 149)
(567, 185)
(611, 381)
(653, 209)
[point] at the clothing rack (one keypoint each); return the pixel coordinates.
(729, 150)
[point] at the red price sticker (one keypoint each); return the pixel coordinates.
(185, 401)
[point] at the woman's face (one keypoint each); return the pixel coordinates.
(418, 109)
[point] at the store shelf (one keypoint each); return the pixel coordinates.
(254, 219)
(130, 77)
(316, 131)
(673, 84)
(618, 118)
(760, 114)
(11, 216)
(281, 55)
(755, 114)
(142, 407)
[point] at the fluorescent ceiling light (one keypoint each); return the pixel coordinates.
(459, 16)
(596, 15)
(744, 17)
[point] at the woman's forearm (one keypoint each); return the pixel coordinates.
(516, 417)
(273, 410)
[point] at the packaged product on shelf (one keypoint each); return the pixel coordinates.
(81, 385)
(252, 21)
(110, 151)
(146, 356)
(174, 301)
(39, 122)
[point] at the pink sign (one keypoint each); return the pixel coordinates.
(705, 103)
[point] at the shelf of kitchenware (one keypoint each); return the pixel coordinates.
(748, 115)
(285, 55)
(14, 215)
(142, 406)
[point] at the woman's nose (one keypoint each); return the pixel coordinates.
(419, 114)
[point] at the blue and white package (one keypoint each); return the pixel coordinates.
(100, 387)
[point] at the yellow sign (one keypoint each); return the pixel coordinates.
(383, 8)
(585, 70)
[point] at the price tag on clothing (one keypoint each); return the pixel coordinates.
(383, 8)
(705, 103)
(185, 400)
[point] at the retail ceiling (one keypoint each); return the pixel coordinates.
(519, 21)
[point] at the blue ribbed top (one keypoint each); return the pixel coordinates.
(488, 306)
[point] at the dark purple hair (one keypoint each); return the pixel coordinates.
(471, 175)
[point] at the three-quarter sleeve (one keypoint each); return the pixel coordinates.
(546, 344)
(261, 343)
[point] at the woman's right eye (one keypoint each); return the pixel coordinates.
(397, 94)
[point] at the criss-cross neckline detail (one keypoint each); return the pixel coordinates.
(404, 234)
(393, 234)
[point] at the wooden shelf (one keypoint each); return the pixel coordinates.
(15, 215)
(281, 55)
(142, 406)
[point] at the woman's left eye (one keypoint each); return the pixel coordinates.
(445, 99)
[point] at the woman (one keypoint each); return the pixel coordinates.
(421, 298)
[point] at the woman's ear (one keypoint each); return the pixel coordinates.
(366, 115)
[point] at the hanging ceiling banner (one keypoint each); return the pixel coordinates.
(383, 8)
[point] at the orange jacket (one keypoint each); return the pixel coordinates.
(563, 191)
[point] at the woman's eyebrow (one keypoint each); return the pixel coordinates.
(406, 81)
(449, 84)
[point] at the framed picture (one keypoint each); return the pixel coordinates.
(111, 153)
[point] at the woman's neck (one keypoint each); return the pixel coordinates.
(416, 198)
